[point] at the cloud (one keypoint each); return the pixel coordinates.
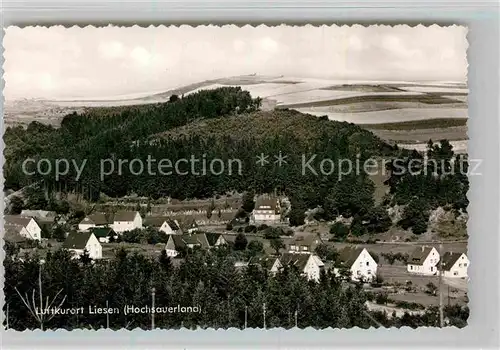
(141, 56)
(61, 62)
(111, 50)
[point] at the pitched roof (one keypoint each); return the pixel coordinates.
(202, 239)
(449, 259)
(189, 239)
(187, 223)
(123, 215)
(77, 240)
(101, 232)
(99, 218)
(266, 262)
(308, 240)
(17, 220)
(39, 213)
(157, 221)
(297, 260)
(45, 221)
(178, 241)
(13, 233)
(419, 255)
(348, 255)
(212, 237)
(266, 203)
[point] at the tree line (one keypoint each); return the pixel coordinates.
(227, 297)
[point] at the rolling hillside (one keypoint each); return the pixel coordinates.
(398, 112)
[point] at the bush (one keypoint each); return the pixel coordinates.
(431, 288)
(381, 299)
(272, 233)
(255, 247)
(240, 242)
(297, 217)
(339, 230)
(379, 279)
(229, 227)
(250, 228)
(262, 227)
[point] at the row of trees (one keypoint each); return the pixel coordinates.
(209, 280)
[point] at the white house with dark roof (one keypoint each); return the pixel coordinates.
(78, 242)
(455, 265)
(31, 229)
(271, 264)
(176, 243)
(267, 210)
(127, 221)
(358, 262)
(95, 220)
(163, 224)
(303, 244)
(188, 224)
(309, 265)
(423, 261)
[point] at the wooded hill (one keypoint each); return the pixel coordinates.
(226, 124)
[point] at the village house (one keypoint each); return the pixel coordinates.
(126, 221)
(270, 264)
(303, 244)
(423, 261)
(266, 211)
(358, 262)
(78, 242)
(31, 228)
(455, 265)
(309, 265)
(15, 234)
(178, 243)
(163, 224)
(215, 239)
(188, 225)
(104, 234)
(95, 220)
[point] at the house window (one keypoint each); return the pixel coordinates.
(432, 268)
(367, 263)
(304, 248)
(465, 264)
(455, 273)
(411, 267)
(459, 265)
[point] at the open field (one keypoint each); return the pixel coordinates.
(362, 102)
(388, 116)
(458, 146)
(458, 133)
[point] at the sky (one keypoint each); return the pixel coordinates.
(57, 62)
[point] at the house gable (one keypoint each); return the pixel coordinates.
(91, 241)
(363, 258)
